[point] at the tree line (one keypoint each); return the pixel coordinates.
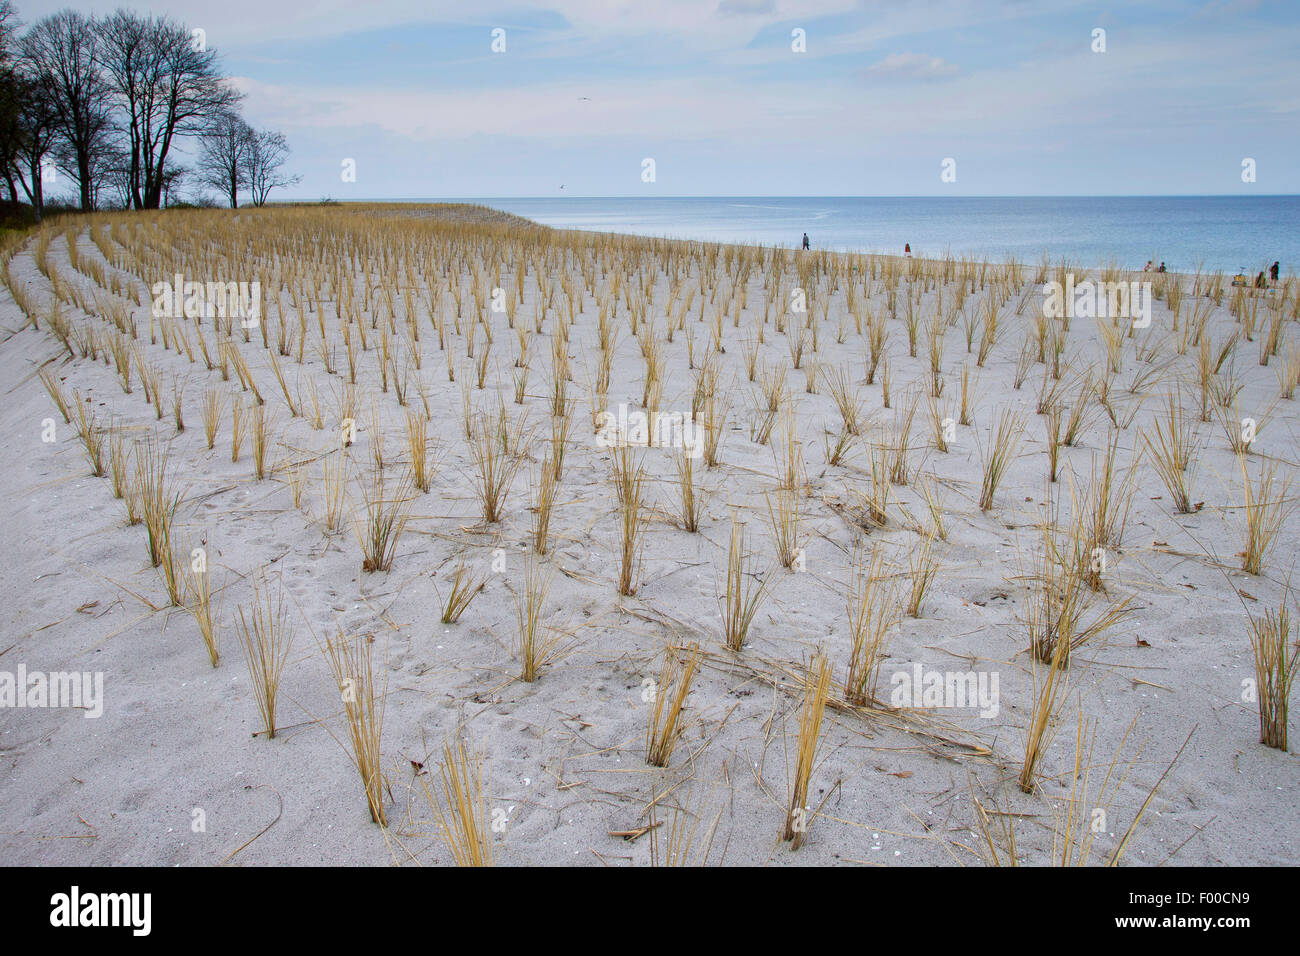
(108, 102)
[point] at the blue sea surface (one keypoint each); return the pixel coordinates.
(1186, 232)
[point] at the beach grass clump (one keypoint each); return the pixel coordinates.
(543, 494)
(1052, 425)
(1171, 448)
(817, 687)
(934, 506)
(999, 455)
(1108, 501)
(262, 434)
(1276, 655)
(1267, 506)
(739, 601)
(633, 515)
(1062, 598)
(91, 435)
(158, 507)
(458, 805)
(334, 487)
(872, 611)
(899, 443)
(1050, 688)
(238, 427)
(688, 835)
(666, 722)
(495, 469)
(788, 454)
(966, 416)
(690, 502)
(381, 523)
(463, 590)
(363, 711)
(55, 392)
(839, 382)
(784, 517)
(210, 411)
(420, 451)
(266, 636)
(198, 592)
(839, 447)
(923, 569)
(536, 642)
(119, 465)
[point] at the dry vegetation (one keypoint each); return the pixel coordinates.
(481, 349)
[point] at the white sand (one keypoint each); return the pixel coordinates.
(565, 755)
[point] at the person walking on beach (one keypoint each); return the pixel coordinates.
(805, 240)
(1272, 272)
(1259, 281)
(1162, 268)
(907, 250)
(1147, 267)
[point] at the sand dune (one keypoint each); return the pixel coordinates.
(955, 623)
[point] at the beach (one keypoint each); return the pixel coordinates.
(921, 651)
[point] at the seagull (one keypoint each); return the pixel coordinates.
(587, 98)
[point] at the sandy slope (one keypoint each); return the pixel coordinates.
(565, 755)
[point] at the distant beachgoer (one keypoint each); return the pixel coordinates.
(1147, 267)
(805, 240)
(1272, 272)
(1259, 281)
(1162, 267)
(907, 250)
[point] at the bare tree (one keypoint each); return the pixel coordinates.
(223, 156)
(27, 116)
(63, 50)
(11, 100)
(169, 85)
(173, 179)
(9, 23)
(34, 131)
(131, 69)
(263, 163)
(113, 171)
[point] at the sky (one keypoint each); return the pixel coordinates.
(763, 97)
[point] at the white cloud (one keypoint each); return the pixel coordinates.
(687, 108)
(912, 66)
(691, 22)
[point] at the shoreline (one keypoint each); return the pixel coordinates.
(433, 210)
(661, 209)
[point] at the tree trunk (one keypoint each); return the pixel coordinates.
(86, 186)
(135, 171)
(38, 189)
(154, 177)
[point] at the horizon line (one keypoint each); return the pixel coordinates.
(820, 196)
